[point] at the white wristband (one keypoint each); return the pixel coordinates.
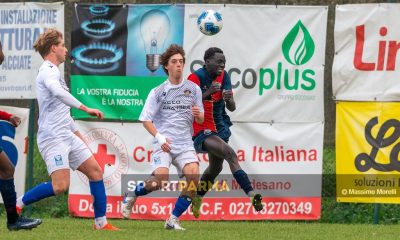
(160, 138)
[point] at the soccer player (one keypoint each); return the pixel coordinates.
(212, 136)
(168, 116)
(7, 187)
(60, 143)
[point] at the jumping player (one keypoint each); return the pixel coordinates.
(212, 136)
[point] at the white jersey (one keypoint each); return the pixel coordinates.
(169, 107)
(54, 99)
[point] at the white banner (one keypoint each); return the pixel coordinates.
(290, 152)
(366, 66)
(20, 26)
(14, 143)
(275, 56)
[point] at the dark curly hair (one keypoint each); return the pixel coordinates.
(211, 52)
(171, 50)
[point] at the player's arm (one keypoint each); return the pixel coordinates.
(14, 120)
(215, 87)
(146, 117)
(229, 101)
(227, 93)
(161, 139)
(64, 96)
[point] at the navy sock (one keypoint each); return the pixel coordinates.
(243, 180)
(140, 190)
(41, 191)
(7, 190)
(98, 191)
(181, 205)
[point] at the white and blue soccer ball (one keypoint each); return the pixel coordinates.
(210, 22)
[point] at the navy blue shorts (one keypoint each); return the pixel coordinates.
(203, 135)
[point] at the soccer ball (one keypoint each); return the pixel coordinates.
(209, 22)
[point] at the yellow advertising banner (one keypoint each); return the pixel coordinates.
(367, 152)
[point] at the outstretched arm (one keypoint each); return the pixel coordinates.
(53, 84)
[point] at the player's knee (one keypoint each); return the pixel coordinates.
(96, 174)
(192, 169)
(230, 155)
(192, 176)
(154, 184)
(60, 188)
(7, 170)
(7, 173)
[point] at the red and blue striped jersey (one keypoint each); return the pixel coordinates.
(215, 117)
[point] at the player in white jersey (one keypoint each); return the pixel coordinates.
(60, 143)
(168, 116)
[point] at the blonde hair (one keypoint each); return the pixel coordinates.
(47, 39)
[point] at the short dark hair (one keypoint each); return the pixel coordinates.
(171, 50)
(211, 52)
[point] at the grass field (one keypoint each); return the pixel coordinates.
(75, 228)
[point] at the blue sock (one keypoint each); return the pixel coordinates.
(243, 180)
(41, 191)
(140, 190)
(7, 189)
(181, 205)
(99, 198)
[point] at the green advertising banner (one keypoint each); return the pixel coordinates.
(116, 51)
(119, 97)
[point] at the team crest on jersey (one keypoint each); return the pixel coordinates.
(157, 160)
(187, 92)
(58, 160)
(110, 152)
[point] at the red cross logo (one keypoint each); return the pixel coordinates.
(102, 157)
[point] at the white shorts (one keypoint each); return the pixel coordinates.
(165, 159)
(70, 153)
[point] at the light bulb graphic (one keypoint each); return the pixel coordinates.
(154, 30)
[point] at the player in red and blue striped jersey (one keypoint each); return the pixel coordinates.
(213, 135)
(7, 186)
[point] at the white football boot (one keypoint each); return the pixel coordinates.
(127, 204)
(173, 223)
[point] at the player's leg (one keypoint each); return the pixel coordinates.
(56, 157)
(7, 189)
(206, 182)
(92, 170)
(58, 185)
(191, 173)
(160, 164)
(153, 183)
(218, 147)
